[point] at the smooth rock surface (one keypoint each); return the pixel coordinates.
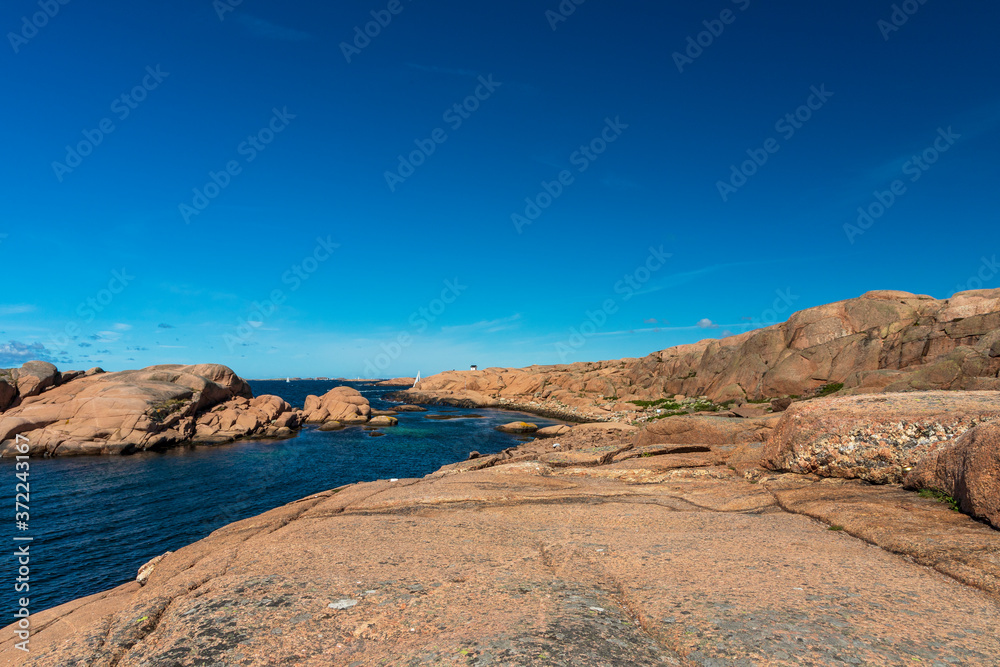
(666, 559)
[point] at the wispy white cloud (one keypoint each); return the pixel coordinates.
(627, 332)
(15, 353)
(121, 326)
(16, 309)
(686, 277)
(486, 326)
(258, 27)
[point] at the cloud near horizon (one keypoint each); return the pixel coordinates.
(15, 353)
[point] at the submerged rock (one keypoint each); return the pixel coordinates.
(518, 427)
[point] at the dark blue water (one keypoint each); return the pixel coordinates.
(95, 520)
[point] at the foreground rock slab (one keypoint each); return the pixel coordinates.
(650, 555)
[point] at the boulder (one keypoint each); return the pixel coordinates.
(409, 408)
(968, 469)
(518, 427)
(873, 437)
(780, 404)
(343, 404)
(7, 392)
(553, 431)
(750, 411)
(331, 426)
(383, 420)
(34, 377)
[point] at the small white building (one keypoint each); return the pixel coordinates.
(473, 367)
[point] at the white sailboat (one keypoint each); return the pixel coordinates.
(417, 380)
(288, 379)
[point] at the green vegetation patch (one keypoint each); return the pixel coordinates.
(941, 497)
(666, 403)
(167, 408)
(672, 413)
(828, 389)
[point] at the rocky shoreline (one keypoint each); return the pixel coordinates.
(824, 491)
(880, 342)
(686, 541)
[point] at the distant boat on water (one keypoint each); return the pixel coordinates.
(288, 379)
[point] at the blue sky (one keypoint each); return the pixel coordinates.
(281, 195)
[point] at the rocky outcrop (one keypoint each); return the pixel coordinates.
(341, 404)
(595, 552)
(553, 431)
(396, 382)
(874, 438)
(31, 379)
(518, 427)
(883, 341)
(120, 413)
(968, 470)
(263, 416)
